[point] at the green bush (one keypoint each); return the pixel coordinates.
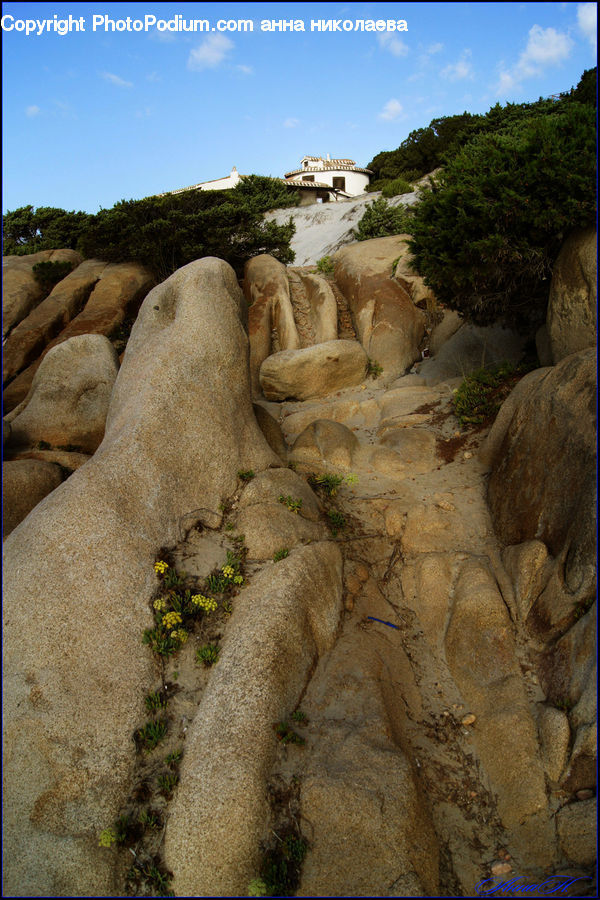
(48, 274)
(486, 236)
(396, 187)
(380, 219)
(325, 265)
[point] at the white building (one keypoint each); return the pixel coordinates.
(343, 175)
(218, 184)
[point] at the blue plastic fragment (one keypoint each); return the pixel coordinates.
(397, 627)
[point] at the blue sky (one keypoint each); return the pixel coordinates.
(90, 118)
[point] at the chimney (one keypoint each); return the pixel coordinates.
(328, 158)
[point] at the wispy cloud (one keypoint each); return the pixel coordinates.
(545, 47)
(116, 80)
(32, 111)
(153, 77)
(434, 48)
(291, 123)
(210, 53)
(392, 44)
(245, 70)
(587, 20)
(391, 110)
(459, 70)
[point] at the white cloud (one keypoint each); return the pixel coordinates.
(115, 79)
(391, 110)
(459, 70)
(32, 111)
(434, 48)
(392, 43)
(587, 20)
(153, 76)
(545, 47)
(210, 53)
(245, 70)
(291, 123)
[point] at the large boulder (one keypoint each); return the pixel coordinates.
(469, 348)
(21, 291)
(24, 483)
(280, 627)
(324, 441)
(69, 397)
(79, 577)
(387, 322)
(313, 371)
(116, 296)
(30, 336)
(571, 316)
(543, 483)
(267, 291)
(323, 307)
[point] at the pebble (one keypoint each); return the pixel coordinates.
(468, 720)
(585, 794)
(467, 454)
(501, 868)
(444, 504)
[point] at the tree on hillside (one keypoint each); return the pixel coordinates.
(487, 234)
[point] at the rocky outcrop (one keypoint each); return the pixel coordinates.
(267, 292)
(325, 441)
(444, 330)
(21, 291)
(282, 624)
(78, 577)
(69, 397)
(24, 483)
(31, 336)
(469, 348)
(116, 295)
(388, 324)
(323, 308)
(313, 371)
(571, 316)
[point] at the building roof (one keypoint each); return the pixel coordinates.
(336, 164)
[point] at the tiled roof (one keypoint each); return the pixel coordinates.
(339, 166)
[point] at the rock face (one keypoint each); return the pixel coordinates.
(470, 348)
(78, 578)
(571, 317)
(388, 325)
(30, 336)
(116, 295)
(70, 394)
(313, 371)
(282, 624)
(21, 291)
(24, 483)
(267, 291)
(323, 308)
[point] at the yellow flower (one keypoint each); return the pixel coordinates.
(171, 619)
(239, 579)
(160, 604)
(227, 571)
(160, 567)
(205, 603)
(180, 635)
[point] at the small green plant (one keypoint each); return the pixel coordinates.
(329, 484)
(299, 717)
(257, 888)
(42, 445)
(293, 504)
(227, 608)
(246, 475)
(149, 819)
(280, 554)
(374, 369)
(583, 607)
(208, 654)
(174, 758)
(337, 521)
(482, 393)
(167, 782)
(286, 734)
(228, 576)
(108, 837)
(564, 703)
(281, 868)
(325, 265)
(152, 734)
(229, 526)
(155, 701)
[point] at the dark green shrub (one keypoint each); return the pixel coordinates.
(380, 219)
(396, 187)
(48, 274)
(486, 237)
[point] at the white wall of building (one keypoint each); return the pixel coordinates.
(355, 182)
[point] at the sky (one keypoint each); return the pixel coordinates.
(91, 117)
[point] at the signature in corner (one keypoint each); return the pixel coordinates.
(556, 884)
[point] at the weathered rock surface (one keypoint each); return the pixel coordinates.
(387, 322)
(442, 332)
(281, 625)
(21, 291)
(70, 395)
(271, 429)
(78, 577)
(322, 441)
(24, 483)
(534, 495)
(268, 294)
(323, 308)
(30, 336)
(313, 371)
(470, 348)
(571, 316)
(117, 294)
(577, 827)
